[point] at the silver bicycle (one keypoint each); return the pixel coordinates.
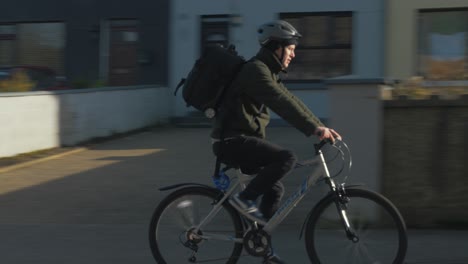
(196, 223)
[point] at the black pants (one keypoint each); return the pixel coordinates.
(271, 163)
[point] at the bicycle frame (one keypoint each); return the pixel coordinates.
(295, 198)
(241, 179)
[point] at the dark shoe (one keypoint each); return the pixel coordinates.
(272, 258)
(248, 208)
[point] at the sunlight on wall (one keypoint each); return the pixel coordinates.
(30, 122)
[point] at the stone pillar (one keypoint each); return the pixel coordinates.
(356, 112)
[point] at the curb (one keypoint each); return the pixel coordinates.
(40, 160)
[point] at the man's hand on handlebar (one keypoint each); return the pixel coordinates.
(325, 133)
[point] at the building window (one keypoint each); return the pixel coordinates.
(34, 44)
(7, 44)
(325, 50)
(123, 68)
(214, 31)
(443, 44)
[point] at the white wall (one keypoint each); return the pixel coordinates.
(357, 114)
(185, 33)
(28, 123)
(40, 120)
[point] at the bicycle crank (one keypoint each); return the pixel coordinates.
(257, 242)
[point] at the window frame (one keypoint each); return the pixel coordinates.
(17, 37)
(210, 23)
(331, 43)
(419, 67)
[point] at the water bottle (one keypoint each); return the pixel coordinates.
(222, 181)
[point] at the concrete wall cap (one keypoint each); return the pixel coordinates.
(355, 79)
(84, 90)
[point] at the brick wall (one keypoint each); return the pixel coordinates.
(425, 160)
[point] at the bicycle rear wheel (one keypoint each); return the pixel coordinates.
(172, 234)
(376, 222)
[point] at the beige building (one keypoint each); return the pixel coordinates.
(427, 38)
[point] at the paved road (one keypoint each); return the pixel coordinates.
(93, 206)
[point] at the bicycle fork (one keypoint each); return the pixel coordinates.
(341, 201)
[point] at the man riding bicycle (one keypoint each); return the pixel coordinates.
(239, 131)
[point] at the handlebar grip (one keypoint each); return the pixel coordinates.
(323, 143)
(320, 144)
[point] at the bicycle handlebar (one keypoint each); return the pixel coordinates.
(323, 143)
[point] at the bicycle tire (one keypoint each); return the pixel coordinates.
(376, 221)
(171, 221)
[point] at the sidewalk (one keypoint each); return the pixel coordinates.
(94, 205)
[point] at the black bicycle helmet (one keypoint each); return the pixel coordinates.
(280, 31)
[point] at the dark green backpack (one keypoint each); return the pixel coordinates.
(212, 74)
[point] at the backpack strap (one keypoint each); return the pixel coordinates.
(221, 141)
(221, 144)
(224, 121)
(257, 116)
(223, 124)
(182, 81)
(217, 166)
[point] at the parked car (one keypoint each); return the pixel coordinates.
(33, 78)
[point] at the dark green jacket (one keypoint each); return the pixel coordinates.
(256, 89)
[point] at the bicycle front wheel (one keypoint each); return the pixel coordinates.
(174, 237)
(379, 229)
